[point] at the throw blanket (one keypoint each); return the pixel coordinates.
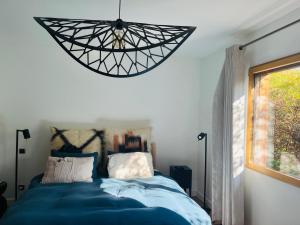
(154, 201)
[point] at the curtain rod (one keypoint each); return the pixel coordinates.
(268, 34)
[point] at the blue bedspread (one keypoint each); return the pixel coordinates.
(154, 201)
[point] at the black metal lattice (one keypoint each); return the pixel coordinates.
(116, 48)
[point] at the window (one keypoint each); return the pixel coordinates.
(273, 127)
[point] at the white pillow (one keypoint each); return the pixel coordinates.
(68, 170)
(130, 165)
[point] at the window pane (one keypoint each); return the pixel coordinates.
(276, 121)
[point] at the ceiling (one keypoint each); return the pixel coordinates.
(219, 22)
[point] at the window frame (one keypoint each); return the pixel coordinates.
(272, 66)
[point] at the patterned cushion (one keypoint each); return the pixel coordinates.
(87, 140)
(128, 140)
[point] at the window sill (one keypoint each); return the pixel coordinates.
(274, 174)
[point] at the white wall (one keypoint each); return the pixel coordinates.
(210, 70)
(267, 200)
(41, 85)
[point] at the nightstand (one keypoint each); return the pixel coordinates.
(183, 176)
(3, 202)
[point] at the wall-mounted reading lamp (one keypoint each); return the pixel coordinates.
(200, 137)
(26, 135)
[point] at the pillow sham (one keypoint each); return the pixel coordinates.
(86, 140)
(68, 170)
(128, 139)
(60, 154)
(130, 165)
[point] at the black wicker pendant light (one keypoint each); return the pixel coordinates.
(116, 48)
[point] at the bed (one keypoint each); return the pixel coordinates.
(106, 201)
(122, 199)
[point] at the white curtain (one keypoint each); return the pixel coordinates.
(228, 135)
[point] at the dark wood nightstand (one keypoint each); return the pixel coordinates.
(183, 176)
(3, 202)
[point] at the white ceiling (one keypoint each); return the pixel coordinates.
(219, 22)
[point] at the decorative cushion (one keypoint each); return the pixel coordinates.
(128, 140)
(130, 165)
(87, 140)
(68, 170)
(61, 154)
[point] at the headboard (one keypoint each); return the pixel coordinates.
(104, 140)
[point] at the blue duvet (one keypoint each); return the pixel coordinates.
(154, 201)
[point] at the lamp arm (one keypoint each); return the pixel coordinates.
(200, 137)
(205, 165)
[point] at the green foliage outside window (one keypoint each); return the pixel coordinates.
(284, 91)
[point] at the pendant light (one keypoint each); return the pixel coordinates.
(116, 48)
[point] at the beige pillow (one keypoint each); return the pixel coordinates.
(130, 165)
(68, 170)
(116, 136)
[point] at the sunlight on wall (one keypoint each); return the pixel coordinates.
(238, 135)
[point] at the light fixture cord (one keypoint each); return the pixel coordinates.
(120, 1)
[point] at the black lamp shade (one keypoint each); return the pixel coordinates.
(201, 136)
(116, 48)
(26, 134)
